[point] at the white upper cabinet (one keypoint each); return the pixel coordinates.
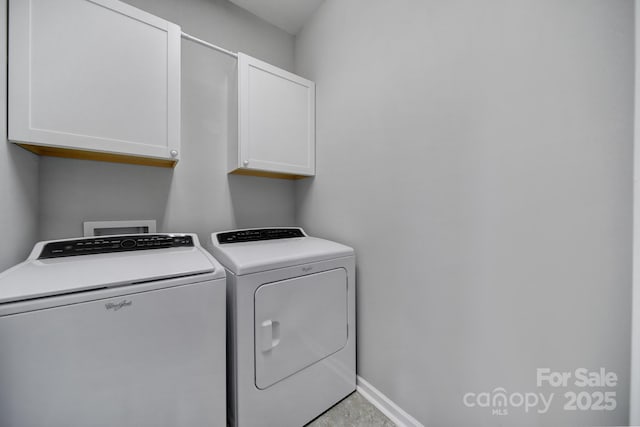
(94, 79)
(276, 122)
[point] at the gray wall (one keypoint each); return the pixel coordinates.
(478, 156)
(196, 196)
(18, 179)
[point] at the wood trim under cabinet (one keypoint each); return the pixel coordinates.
(265, 174)
(92, 155)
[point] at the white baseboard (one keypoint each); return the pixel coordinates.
(392, 411)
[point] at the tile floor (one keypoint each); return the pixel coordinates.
(352, 411)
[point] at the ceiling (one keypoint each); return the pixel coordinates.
(289, 15)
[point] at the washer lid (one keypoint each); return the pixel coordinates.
(41, 277)
(246, 257)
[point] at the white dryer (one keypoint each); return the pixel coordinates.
(292, 332)
(114, 331)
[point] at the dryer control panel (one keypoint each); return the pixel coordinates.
(256, 234)
(119, 243)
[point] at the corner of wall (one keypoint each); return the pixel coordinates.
(385, 405)
(18, 179)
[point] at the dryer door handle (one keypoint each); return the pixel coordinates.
(270, 334)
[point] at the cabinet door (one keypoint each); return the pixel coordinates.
(93, 76)
(276, 115)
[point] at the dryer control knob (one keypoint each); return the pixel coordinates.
(173, 153)
(246, 163)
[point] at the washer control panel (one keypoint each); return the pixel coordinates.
(120, 243)
(256, 234)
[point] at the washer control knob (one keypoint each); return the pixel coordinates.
(246, 163)
(128, 244)
(174, 153)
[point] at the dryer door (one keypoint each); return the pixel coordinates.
(298, 322)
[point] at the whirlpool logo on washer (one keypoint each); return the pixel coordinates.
(307, 269)
(115, 306)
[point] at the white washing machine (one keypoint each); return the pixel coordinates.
(110, 331)
(292, 332)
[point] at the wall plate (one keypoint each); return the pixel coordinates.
(108, 228)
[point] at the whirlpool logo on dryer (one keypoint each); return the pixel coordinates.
(115, 306)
